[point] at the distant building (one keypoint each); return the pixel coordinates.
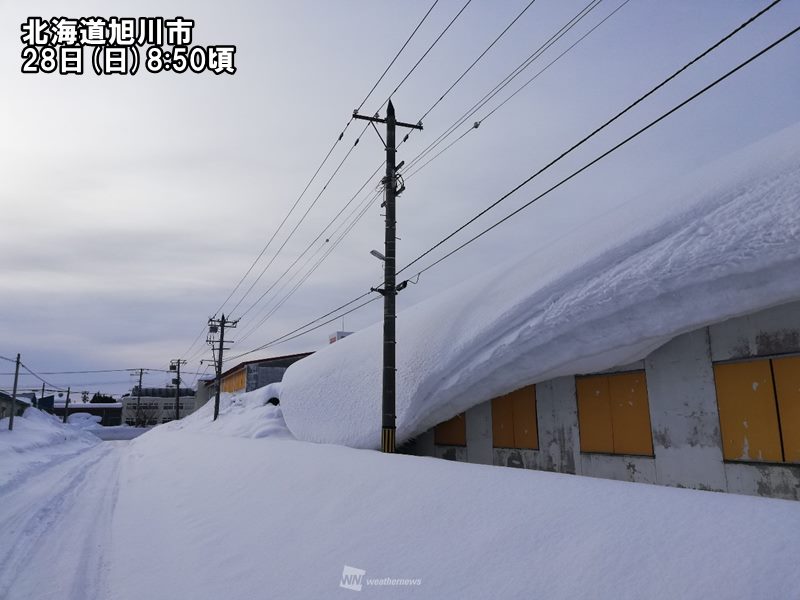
(110, 413)
(204, 384)
(254, 374)
(6, 402)
(338, 335)
(156, 405)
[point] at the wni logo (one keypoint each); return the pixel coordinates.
(352, 578)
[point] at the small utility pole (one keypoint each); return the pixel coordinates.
(14, 397)
(137, 422)
(66, 406)
(40, 398)
(175, 365)
(215, 325)
(389, 290)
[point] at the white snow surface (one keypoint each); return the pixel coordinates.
(722, 243)
(205, 510)
(37, 438)
(244, 414)
(282, 519)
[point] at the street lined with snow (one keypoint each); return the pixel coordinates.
(55, 540)
(239, 509)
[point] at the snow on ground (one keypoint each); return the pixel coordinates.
(724, 242)
(226, 510)
(92, 423)
(55, 537)
(246, 415)
(38, 438)
(244, 518)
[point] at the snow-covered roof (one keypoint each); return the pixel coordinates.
(722, 243)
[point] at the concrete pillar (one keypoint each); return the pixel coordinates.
(479, 434)
(557, 414)
(683, 414)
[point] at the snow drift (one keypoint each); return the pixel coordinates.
(38, 438)
(246, 414)
(210, 516)
(724, 242)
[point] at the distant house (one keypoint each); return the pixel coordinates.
(110, 413)
(156, 405)
(254, 374)
(6, 402)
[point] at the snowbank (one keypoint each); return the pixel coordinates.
(37, 438)
(84, 420)
(724, 242)
(282, 519)
(246, 414)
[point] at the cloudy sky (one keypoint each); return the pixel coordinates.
(132, 205)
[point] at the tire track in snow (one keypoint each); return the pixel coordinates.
(57, 528)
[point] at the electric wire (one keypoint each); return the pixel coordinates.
(592, 134)
(519, 69)
(610, 151)
(483, 119)
(442, 96)
(436, 41)
(306, 328)
(364, 208)
(296, 226)
(475, 62)
(316, 172)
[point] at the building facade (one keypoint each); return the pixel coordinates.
(254, 374)
(7, 401)
(156, 406)
(716, 409)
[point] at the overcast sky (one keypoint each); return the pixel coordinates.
(132, 205)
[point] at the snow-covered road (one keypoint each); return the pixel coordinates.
(56, 527)
(237, 509)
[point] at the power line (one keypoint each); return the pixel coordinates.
(297, 225)
(483, 119)
(463, 74)
(39, 377)
(363, 210)
(306, 328)
(579, 16)
(287, 337)
(95, 371)
(363, 185)
(399, 52)
(593, 133)
(316, 172)
(436, 41)
(475, 62)
(399, 85)
(609, 151)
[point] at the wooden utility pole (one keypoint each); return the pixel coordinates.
(215, 325)
(66, 405)
(138, 420)
(389, 290)
(40, 398)
(175, 365)
(14, 397)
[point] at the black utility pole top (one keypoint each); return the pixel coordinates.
(390, 289)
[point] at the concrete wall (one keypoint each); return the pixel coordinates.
(258, 376)
(765, 333)
(687, 444)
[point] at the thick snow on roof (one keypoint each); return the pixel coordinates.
(722, 243)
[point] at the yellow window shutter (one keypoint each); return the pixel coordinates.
(747, 411)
